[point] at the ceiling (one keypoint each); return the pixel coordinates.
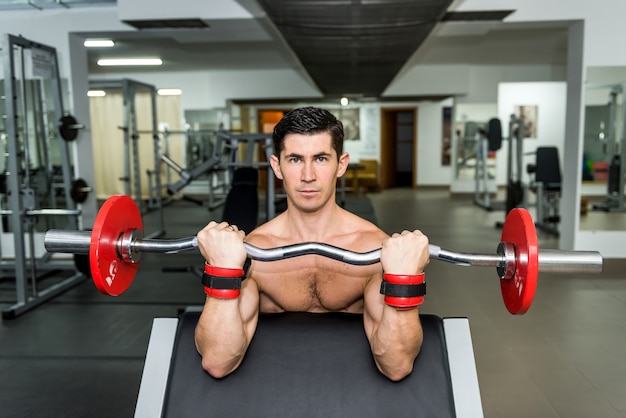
(355, 47)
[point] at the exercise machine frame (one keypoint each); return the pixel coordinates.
(22, 200)
(131, 135)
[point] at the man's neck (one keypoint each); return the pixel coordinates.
(314, 226)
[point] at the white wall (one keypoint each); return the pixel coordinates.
(213, 89)
(484, 79)
(431, 80)
(180, 9)
(429, 134)
(470, 83)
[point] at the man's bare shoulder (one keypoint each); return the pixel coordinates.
(266, 235)
(361, 234)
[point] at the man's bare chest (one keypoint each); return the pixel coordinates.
(312, 286)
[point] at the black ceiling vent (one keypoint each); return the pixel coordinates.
(168, 24)
(354, 46)
(485, 15)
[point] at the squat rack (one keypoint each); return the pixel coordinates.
(31, 76)
(132, 170)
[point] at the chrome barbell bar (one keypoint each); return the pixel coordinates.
(130, 246)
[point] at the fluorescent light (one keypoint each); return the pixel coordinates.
(130, 61)
(170, 92)
(96, 93)
(344, 101)
(98, 43)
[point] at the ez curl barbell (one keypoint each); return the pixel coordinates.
(115, 246)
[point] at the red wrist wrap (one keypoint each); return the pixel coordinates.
(230, 280)
(403, 291)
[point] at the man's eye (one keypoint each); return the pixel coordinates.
(294, 159)
(322, 159)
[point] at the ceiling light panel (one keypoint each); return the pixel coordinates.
(98, 43)
(169, 92)
(129, 62)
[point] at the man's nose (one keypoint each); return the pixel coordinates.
(308, 172)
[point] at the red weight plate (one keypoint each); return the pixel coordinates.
(111, 275)
(518, 292)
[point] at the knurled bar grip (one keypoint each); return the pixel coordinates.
(556, 261)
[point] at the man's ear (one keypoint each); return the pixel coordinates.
(276, 166)
(344, 160)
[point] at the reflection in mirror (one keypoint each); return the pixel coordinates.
(474, 170)
(603, 204)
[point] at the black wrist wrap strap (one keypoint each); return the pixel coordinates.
(217, 282)
(402, 290)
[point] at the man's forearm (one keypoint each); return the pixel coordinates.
(220, 336)
(397, 342)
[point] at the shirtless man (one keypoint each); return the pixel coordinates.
(308, 158)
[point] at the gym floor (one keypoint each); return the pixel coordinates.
(82, 353)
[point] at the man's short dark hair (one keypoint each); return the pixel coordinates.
(308, 121)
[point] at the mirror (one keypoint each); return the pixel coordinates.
(603, 204)
(474, 171)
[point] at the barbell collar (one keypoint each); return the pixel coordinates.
(506, 269)
(124, 246)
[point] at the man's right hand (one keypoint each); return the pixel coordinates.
(221, 245)
(405, 253)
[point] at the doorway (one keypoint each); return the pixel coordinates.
(398, 142)
(266, 120)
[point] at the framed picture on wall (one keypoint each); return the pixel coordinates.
(528, 114)
(351, 121)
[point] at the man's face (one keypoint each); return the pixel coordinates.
(309, 169)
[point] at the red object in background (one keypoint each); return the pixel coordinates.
(600, 170)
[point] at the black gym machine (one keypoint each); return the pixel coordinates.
(546, 172)
(490, 140)
(487, 140)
